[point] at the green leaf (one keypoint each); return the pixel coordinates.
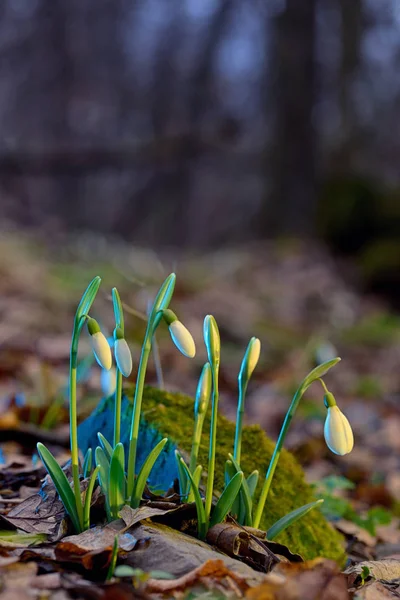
(13, 539)
(252, 481)
(61, 484)
(290, 518)
(163, 297)
(196, 479)
(88, 499)
(104, 467)
(113, 561)
(116, 480)
(118, 312)
(226, 499)
(87, 299)
(87, 463)
(108, 449)
(201, 514)
(183, 480)
(245, 496)
(145, 472)
(318, 372)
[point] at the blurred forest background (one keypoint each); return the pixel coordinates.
(205, 123)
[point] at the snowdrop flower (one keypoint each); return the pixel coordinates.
(123, 356)
(100, 346)
(337, 431)
(108, 381)
(250, 360)
(212, 340)
(180, 335)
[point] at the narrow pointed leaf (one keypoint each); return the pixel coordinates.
(290, 518)
(201, 514)
(164, 296)
(226, 499)
(88, 499)
(104, 467)
(61, 484)
(118, 312)
(196, 479)
(245, 496)
(116, 480)
(229, 473)
(113, 561)
(87, 463)
(145, 472)
(88, 298)
(183, 481)
(319, 371)
(252, 481)
(105, 444)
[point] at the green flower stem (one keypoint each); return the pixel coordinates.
(73, 420)
(239, 423)
(137, 406)
(117, 407)
(213, 443)
(277, 452)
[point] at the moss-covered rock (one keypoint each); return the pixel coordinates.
(171, 415)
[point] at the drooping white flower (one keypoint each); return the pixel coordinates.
(250, 359)
(337, 431)
(108, 381)
(182, 338)
(123, 356)
(100, 345)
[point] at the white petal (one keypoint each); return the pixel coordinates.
(338, 433)
(108, 381)
(253, 356)
(123, 357)
(182, 339)
(101, 350)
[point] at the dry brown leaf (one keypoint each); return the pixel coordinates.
(386, 570)
(16, 580)
(319, 579)
(212, 571)
(93, 547)
(376, 591)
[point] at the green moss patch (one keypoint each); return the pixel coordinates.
(172, 415)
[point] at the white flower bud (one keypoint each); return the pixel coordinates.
(182, 338)
(250, 360)
(212, 340)
(101, 350)
(123, 356)
(337, 431)
(108, 382)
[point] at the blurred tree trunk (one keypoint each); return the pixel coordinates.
(351, 19)
(291, 207)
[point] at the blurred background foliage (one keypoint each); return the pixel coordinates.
(201, 123)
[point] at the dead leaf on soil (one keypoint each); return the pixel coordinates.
(378, 591)
(93, 548)
(16, 580)
(386, 570)
(239, 543)
(212, 574)
(319, 579)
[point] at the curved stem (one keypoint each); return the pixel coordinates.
(213, 442)
(117, 408)
(277, 452)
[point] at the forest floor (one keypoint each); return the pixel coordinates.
(303, 305)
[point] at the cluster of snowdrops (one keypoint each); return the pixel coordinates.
(117, 474)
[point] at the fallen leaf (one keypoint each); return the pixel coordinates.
(319, 579)
(235, 541)
(209, 574)
(93, 548)
(376, 591)
(16, 580)
(386, 570)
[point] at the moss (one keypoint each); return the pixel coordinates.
(172, 416)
